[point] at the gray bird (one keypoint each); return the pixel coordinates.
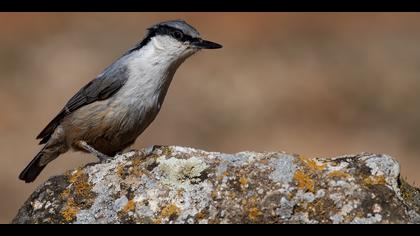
(108, 114)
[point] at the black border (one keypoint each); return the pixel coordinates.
(209, 5)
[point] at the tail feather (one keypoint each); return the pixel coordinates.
(34, 168)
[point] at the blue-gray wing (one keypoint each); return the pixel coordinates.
(100, 88)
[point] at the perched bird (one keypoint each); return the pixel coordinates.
(108, 114)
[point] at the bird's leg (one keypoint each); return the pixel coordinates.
(147, 151)
(102, 157)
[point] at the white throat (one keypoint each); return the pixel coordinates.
(152, 67)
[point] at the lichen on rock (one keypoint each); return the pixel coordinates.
(186, 185)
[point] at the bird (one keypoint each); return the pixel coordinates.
(108, 114)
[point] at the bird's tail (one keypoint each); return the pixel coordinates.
(34, 168)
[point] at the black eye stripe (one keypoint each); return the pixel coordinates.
(165, 30)
(162, 30)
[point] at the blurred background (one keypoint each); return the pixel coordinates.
(317, 84)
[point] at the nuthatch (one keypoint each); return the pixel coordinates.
(108, 114)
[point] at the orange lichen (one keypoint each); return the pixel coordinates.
(65, 194)
(170, 211)
(254, 213)
(304, 181)
(243, 181)
(75, 176)
(374, 180)
(130, 206)
(338, 174)
(80, 187)
(200, 215)
(80, 182)
(312, 164)
(70, 212)
(263, 161)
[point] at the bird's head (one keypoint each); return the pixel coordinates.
(176, 39)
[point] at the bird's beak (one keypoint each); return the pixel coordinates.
(204, 44)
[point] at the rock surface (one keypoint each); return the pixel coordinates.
(185, 185)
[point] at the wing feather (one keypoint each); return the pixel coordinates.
(100, 88)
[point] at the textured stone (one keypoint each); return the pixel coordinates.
(185, 185)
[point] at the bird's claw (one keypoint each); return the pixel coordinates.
(147, 151)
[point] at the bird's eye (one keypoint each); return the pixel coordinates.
(178, 34)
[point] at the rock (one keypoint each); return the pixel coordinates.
(185, 185)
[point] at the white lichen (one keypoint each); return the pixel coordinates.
(179, 172)
(37, 205)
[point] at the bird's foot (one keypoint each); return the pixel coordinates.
(147, 151)
(102, 157)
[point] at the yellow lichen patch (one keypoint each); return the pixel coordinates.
(65, 194)
(243, 181)
(166, 151)
(170, 211)
(130, 206)
(407, 194)
(304, 181)
(78, 195)
(137, 167)
(254, 213)
(83, 189)
(312, 164)
(338, 174)
(137, 161)
(120, 171)
(70, 212)
(80, 182)
(249, 205)
(213, 195)
(75, 175)
(374, 180)
(200, 215)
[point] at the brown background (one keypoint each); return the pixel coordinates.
(316, 84)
